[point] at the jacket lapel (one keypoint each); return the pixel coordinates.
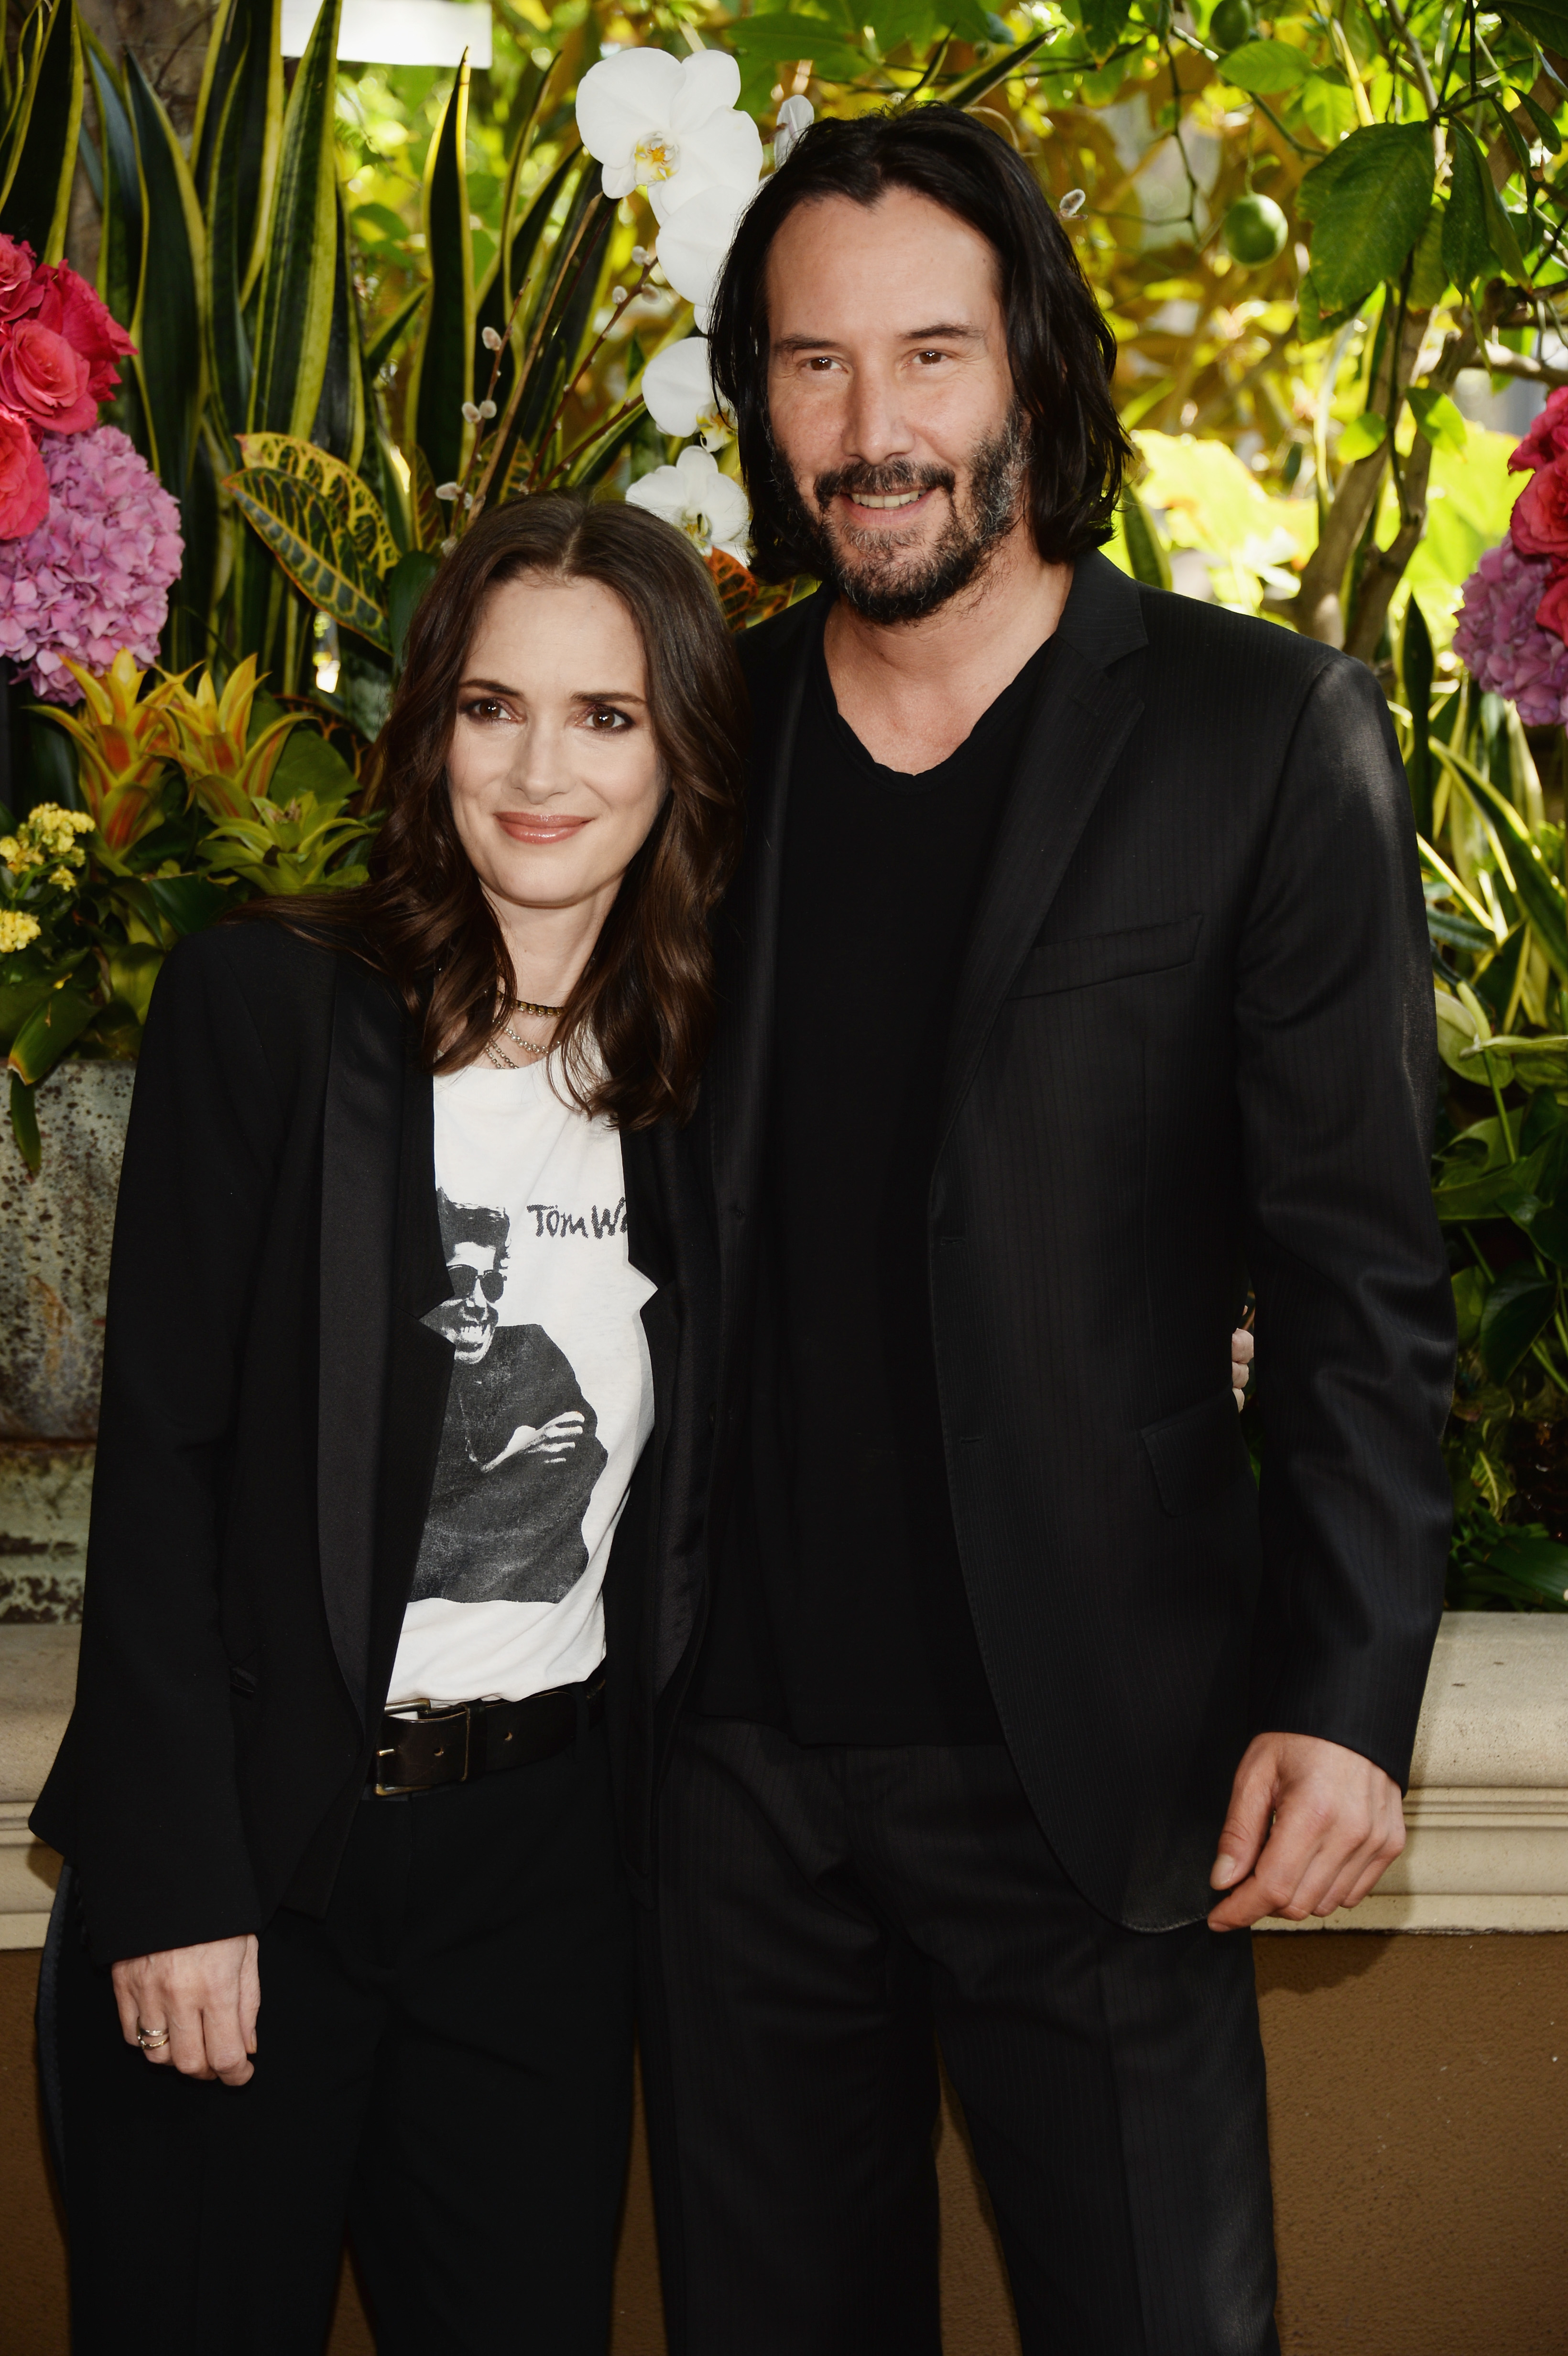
(735, 1089)
(1080, 720)
(362, 1140)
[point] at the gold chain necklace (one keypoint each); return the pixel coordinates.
(531, 1046)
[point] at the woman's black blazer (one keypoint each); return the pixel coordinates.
(272, 1411)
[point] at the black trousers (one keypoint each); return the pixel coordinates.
(821, 1911)
(444, 2062)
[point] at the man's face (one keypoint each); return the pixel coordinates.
(469, 1318)
(890, 399)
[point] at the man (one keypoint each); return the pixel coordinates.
(519, 1453)
(1075, 978)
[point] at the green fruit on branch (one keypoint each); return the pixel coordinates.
(1254, 228)
(1232, 24)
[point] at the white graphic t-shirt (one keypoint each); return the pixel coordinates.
(551, 1397)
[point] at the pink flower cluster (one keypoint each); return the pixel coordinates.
(94, 576)
(58, 351)
(1503, 646)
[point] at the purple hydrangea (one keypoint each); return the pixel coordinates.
(95, 575)
(1501, 643)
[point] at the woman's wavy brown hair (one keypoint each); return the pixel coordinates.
(634, 1031)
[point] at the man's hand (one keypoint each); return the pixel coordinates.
(1336, 1822)
(1241, 1365)
(206, 1998)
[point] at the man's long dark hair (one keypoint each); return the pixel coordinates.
(634, 1031)
(1062, 351)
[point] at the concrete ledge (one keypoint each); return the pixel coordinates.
(1487, 1810)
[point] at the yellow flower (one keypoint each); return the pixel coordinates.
(17, 930)
(63, 877)
(10, 849)
(52, 831)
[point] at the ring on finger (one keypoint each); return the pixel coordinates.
(150, 2041)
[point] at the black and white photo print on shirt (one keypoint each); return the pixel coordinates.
(519, 1455)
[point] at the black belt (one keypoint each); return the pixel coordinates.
(466, 1738)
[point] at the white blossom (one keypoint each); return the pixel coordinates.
(700, 501)
(794, 119)
(694, 242)
(678, 392)
(670, 126)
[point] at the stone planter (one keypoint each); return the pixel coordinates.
(55, 1236)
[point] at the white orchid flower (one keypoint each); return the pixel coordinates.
(670, 126)
(700, 501)
(795, 120)
(678, 390)
(694, 242)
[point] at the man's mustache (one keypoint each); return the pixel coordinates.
(881, 482)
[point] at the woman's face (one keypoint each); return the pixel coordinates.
(555, 775)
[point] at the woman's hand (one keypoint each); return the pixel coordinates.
(204, 1999)
(1240, 1362)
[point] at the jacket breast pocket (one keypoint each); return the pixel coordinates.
(1108, 957)
(1198, 1453)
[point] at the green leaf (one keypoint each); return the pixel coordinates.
(296, 320)
(1264, 68)
(776, 37)
(1466, 245)
(1469, 1299)
(1368, 202)
(48, 1032)
(1517, 1307)
(1327, 107)
(381, 349)
(17, 1000)
(132, 971)
(1363, 436)
(169, 327)
(185, 902)
(406, 584)
(1537, 1564)
(25, 1124)
(120, 248)
(309, 764)
(1146, 550)
(1417, 667)
(319, 558)
(228, 236)
(1498, 228)
(1546, 131)
(40, 159)
(1104, 22)
(339, 422)
(1545, 21)
(441, 377)
(970, 89)
(1438, 419)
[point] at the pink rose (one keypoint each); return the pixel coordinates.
(1539, 526)
(70, 306)
(1552, 611)
(20, 289)
(1547, 438)
(23, 485)
(43, 379)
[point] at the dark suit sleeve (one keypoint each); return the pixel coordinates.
(1338, 1080)
(143, 1798)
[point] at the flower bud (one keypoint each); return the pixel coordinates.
(446, 490)
(491, 338)
(486, 409)
(1071, 204)
(471, 411)
(617, 295)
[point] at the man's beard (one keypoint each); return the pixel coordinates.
(885, 587)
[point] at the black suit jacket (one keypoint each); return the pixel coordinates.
(1193, 1044)
(272, 1411)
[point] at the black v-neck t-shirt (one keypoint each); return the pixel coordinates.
(839, 1611)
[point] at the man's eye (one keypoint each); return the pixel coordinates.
(931, 355)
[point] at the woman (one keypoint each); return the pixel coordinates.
(397, 1280)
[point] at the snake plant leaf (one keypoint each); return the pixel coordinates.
(48, 1032)
(339, 423)
(381, 349)
(125, 211)
(428, 514)
(1146, 550)
(442, 376)
(39, 164)
(295, 326)
(310, 535)
(169, 328)
(221, 180)
(514, 258)
(406, 584)
(238, 129)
